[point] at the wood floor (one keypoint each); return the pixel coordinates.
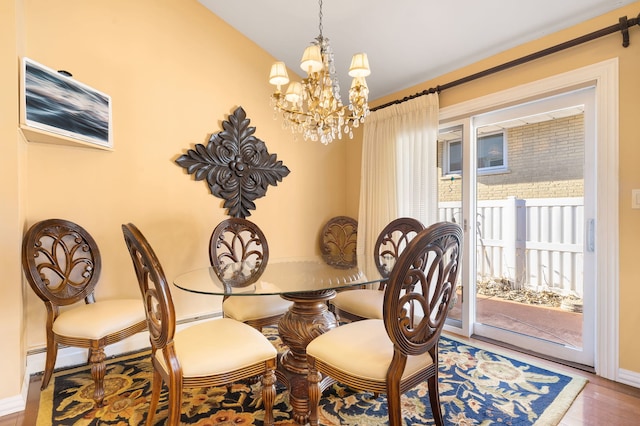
(601, 402)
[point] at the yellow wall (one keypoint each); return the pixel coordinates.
(629, 109)
(11, 156)
(174, 71)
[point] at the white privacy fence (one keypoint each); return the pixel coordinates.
(535, 243)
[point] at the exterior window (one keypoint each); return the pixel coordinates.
(454, 157)
(491, 154)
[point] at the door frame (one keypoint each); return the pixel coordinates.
(604, 77)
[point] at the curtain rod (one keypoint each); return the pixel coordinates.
(622, 25)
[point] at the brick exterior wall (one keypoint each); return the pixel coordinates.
(544, 160)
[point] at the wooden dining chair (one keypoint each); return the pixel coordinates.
(237, 241)
(364, 303)
(62, 264)
(400, 351)
(217, 352)
(338, 240)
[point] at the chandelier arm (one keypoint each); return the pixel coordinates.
(303, 113)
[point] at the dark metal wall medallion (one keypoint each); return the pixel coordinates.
(236, 165)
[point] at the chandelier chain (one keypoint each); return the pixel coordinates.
(320, 18)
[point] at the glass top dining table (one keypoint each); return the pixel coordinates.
(291, 276)
(309, 284)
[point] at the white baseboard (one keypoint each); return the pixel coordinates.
(630, 378)
(12, 404)
(70, 357)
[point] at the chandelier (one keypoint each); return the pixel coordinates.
(313, 106)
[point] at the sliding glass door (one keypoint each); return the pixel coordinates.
(520, 179)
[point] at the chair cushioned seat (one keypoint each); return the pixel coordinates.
(246, 308)
(363, 349)
(99, 319)
(366, 303)
(230, 343)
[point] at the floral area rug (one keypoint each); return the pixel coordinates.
(477, 387)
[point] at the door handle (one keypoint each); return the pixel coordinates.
(591, 235)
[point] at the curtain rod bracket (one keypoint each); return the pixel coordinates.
(624, 28)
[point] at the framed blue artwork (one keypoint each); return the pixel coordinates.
(54, 104)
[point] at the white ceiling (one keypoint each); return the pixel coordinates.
(407, 41)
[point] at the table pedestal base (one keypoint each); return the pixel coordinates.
(307, 318)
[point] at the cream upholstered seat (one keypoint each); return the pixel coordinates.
(213, 353)
(235, 241)
(396, 353)
(358, 304)
(62, 264)
(370, 337)
(363, 303)
(95, 320)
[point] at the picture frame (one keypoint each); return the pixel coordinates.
(55, 108)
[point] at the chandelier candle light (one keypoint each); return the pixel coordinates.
(313, 107)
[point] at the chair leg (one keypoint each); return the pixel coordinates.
(50, 363)
(156, 387)
(175, 398)
(313, 378)
(394, 403)
(96, 359)
(434, 399)
(254, 324)
(268, 395)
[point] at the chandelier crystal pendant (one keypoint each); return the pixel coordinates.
(313, 106)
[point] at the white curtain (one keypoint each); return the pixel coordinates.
(399, 167)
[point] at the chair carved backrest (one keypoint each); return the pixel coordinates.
(420, 289)
(338, 241)
(237, 241)
(158, 304)
(61, 262)
(391, 241)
